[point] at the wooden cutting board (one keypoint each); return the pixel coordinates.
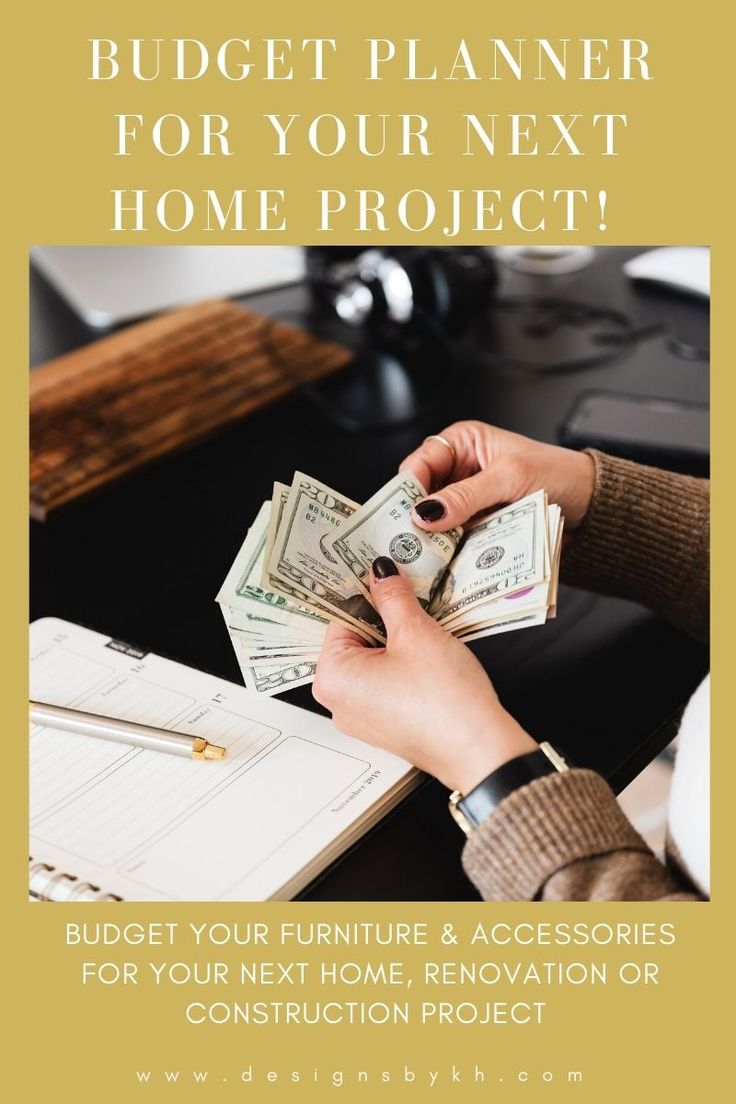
(104, 411)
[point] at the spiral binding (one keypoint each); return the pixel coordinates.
(46, 883)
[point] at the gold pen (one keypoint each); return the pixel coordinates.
(124, 732)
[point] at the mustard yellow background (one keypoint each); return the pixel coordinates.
(669, 185)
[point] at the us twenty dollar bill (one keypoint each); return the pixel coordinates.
(383, 527)
(261, 620)
(305, 562)
(302, 559)
(504, 552)
(243, 592)
(274, 679)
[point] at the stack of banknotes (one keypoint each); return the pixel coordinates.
(306, 561)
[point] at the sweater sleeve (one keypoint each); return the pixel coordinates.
(565, 838)
(646, 537)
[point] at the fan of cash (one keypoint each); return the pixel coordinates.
(307, 557)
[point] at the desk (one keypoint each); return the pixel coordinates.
(144, 560)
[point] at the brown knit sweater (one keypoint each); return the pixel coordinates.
(564, 836)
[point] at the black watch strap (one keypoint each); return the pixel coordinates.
(472, 809)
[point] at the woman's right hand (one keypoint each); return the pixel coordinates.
(491, 467)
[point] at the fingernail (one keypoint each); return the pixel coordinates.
(384, 567)
(431, 509)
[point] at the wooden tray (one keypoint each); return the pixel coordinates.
(107, 409)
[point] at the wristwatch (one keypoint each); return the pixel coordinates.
(472, 810)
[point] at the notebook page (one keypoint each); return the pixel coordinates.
(151, 826)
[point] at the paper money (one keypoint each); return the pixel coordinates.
(243, 592)
(275, 680)
(278, 501)
(383, 527)
(306, 560)
(302, 560)
(261, 620)
(502, 553)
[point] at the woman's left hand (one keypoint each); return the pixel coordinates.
(424, 696)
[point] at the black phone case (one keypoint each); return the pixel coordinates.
(672, 455)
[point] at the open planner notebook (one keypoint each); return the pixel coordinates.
(109, 821)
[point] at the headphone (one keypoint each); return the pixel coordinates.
(373, 288)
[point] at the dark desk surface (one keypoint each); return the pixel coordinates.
(144, 561)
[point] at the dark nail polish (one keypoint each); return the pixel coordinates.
(431, 509)
(384, 568)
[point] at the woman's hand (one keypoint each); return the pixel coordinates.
(424, 696)
(491, 467)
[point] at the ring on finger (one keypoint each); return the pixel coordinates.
(443, 441)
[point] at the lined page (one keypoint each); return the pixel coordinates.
(152, 826)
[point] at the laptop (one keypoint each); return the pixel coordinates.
(108, 285)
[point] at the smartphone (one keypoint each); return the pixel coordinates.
(665, 433)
